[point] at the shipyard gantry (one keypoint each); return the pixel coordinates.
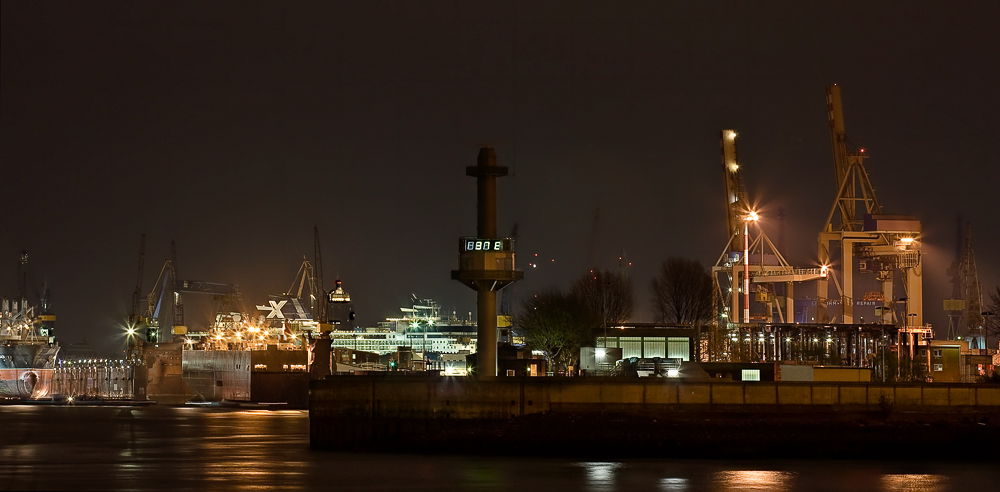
(755, 284)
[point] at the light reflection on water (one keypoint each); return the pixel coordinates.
(162, 448)
(600, 474)
(753, 480)
(914, 482)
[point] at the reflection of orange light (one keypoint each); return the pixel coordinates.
(753, 480)
(912, 482)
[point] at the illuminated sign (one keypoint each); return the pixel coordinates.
(475, 244)
(275, 309)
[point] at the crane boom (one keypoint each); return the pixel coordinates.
(137, 293)
(318, 275)
(736, 195)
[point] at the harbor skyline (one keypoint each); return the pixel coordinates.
(233, 131)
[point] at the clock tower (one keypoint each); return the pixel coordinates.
(486, 262)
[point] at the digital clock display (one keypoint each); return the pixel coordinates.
(476, 244)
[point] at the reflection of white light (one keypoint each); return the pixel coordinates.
(673, 484)
(600, 353)
(600, 475)
(672, 373)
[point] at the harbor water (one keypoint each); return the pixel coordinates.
(210, 448)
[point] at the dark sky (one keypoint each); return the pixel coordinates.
(233, 128)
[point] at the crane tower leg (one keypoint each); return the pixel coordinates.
(823, 284)
(887, 299)
(914, 295)
(847, 298)
(789, 302)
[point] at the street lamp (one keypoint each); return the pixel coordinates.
(986, 329)
(750, 217)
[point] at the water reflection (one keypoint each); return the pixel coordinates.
(673, 484)
(80, 448)
(753, 480)
(913, 483)
(600, 475)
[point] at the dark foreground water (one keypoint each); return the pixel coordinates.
(163, 448)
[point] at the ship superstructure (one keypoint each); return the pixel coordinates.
(28, 350)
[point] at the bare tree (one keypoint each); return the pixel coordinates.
(682, 292)
(557, 324)
(606, 292)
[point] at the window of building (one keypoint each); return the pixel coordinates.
(937, 352)
(631, 346)
(751, 375)
(938, 367)
(654, 347)
(679, 347)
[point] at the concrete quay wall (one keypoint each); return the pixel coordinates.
(606, 418)
(461, 398)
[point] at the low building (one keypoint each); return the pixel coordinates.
(943, 361)
(649, 340)
(808, 372)
(740, 371)
(516, 361)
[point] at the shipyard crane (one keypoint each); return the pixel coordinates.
(857, 226)
(972, 322)
(321, 297)
(507, 296)
(304, 278)
(736, 261)
(168, 290)
(135, 318)
(176, 302)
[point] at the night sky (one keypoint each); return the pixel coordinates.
(233, 128)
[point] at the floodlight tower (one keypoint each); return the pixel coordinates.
(486, 262)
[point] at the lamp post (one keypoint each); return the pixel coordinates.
(750, 217)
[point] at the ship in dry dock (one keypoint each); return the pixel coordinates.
(28, 349)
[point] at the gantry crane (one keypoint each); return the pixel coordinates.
(856, 224)
(168, 290)
(736, 263)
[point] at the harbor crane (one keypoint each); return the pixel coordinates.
(167, 294)
(857, 226)
(736, 263)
